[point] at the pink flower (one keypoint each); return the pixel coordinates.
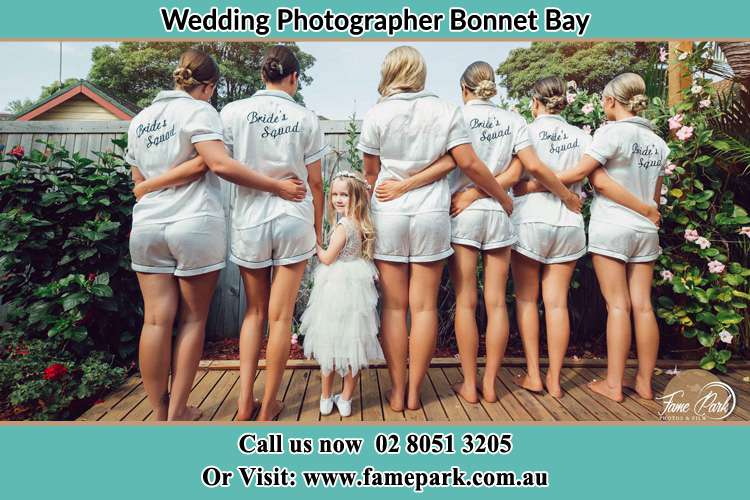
(294, 339)
(587, 108)
(691, 234)
(715, 267)
(669, 169)
(685, 133)
(18, 152)
(745, 230)
(726, 337)
(667, 275)
(587, 129)
(663, 54)
(570, 97)
(584, 195)
(703, 243)
(704, 103)
(676, 121)
(696, 89)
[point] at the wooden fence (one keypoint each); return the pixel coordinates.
(87, 137)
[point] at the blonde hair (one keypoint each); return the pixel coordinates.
(194, 69)
(479, 79)
(628, 89)
(403, 70)
(358, 209)
(550, 91)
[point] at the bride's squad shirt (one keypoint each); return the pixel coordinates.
(560, 146)
(497, 135)
(635, 157)
(271, 134)
(409, 131)
(161, 137)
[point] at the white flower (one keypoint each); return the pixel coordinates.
(667, 275)
(703, 243)
(587, 129)
(572, 85)
(691, 234)
(726, 337)
(570, 97)
(683, 56)
(669, 169)
(715, 267)
(664, 189)
(663, 200)
(584, 195)
(696, 89)
(672, 371)
(704, 103)
(587, 108)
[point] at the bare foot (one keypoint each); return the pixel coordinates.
(245, 411)
(640, 386)
(553, 386)
(270, 411)
(396, 403)
(601, 387)
(190, 414)
(488, 390)
(525, 382)
(467, 393)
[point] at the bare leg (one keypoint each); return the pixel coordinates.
(463, 270)
(613, 283)
(284, 289)
(640, 278)
(349, 384)
(496, 264)
(394, 286)
(160, 301)
(326, 384)
(195, 299)
(526, 285)
(555, 283)
(423, 292)
(257, 283)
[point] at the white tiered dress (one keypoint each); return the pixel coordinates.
(340, 323)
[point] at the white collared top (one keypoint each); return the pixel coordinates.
(271, 134)
(497, 135)
(560, 146)
(161, 137)
(634, 156)
(409, 131)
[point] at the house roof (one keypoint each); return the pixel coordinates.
(122, 110)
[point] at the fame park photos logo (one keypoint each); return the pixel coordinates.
(696, 395)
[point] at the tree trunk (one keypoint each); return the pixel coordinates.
(738, 57)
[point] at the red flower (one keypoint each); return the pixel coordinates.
(91, 277)
(18, 152)
(21, 351)
(54, 371)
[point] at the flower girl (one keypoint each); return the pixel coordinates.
(340, 323)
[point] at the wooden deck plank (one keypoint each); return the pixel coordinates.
(508, 402)
(384, 383)
(475, 411)
(372, 409)
(227, 407)
(310, 411)
(431, 406)
(532, 406)
(552, 404)
(450, 401)
(213, 401)
(295, 395)
(99, 409)
(735, 379)
(126, 405)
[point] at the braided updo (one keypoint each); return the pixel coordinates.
(479, 79)
(628, 89)
(195, 68)
(550, 91)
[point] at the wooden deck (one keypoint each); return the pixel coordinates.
(216, 388)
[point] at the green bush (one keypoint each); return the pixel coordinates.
(65, 280)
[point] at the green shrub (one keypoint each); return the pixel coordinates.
(65, 280)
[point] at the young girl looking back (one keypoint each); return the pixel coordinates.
(340, 323)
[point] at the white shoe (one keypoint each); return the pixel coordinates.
(344, 405)
(326, 405)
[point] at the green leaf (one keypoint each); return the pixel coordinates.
(701, 295)
(102, 279)
(723, 356)
(742, 295)
(706, 339)
(729, 318)
(676, 192)
(101, 290)
(73, 300)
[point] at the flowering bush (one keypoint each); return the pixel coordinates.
(64, 276)
(701, 280)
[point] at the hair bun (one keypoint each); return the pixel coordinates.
(554, 103)
(638, 103)
(183, 76)
(486, 89)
